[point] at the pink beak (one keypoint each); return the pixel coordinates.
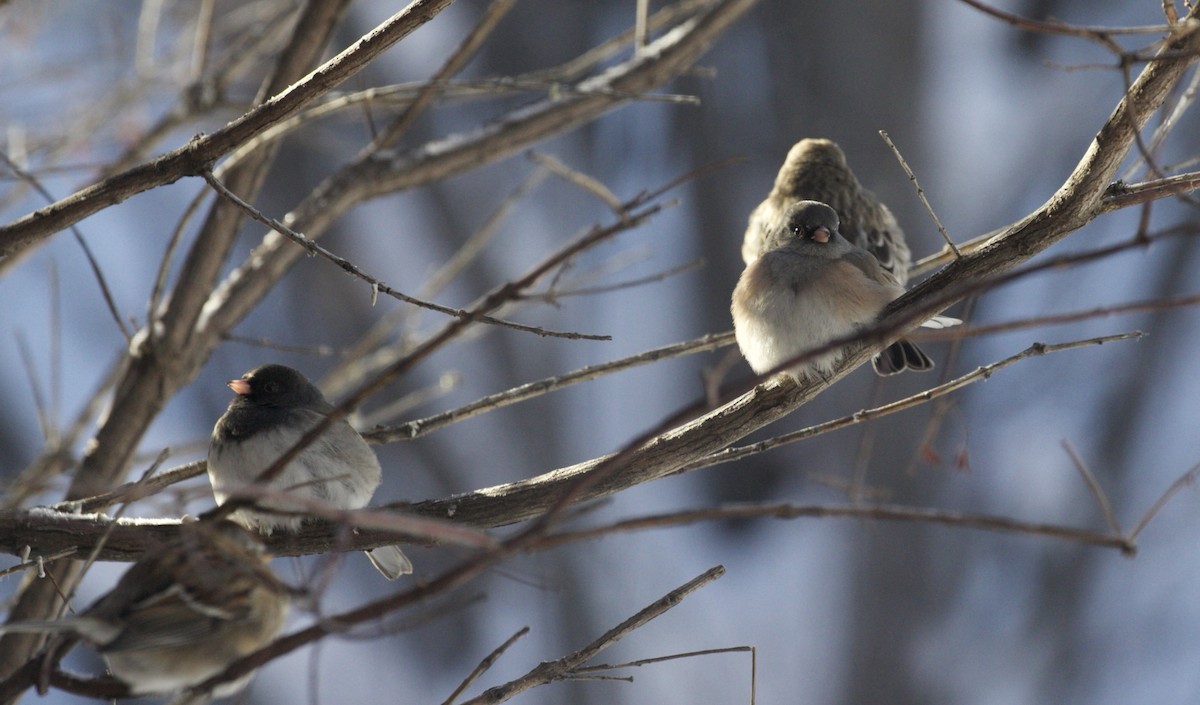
(239, 386)
(821, 235)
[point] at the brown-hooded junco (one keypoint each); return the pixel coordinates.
(812, 287)
(273, 407)
(183, 612)
(816, 170)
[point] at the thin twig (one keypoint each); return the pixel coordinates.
(458, 59)
(403, 94)
(640, 31)
(44, 417)
(1093, 487)
(57, 457)
(550, 671)
(1188, 478)
(34, 182)
(1055, 27)
(659, 659)
(420, 427)
(1182, 104)
(446, 382)
(484, 665)
(39, 561)
(164, 266)
(1121, 195)
(198, 154)
(1118, 195)
(473, 246)
(883, 512)
(628, 284)
(912, 176)
(496, 298)
(1058, 318)
(95, 553)
(978, 374)
(580, 179)
(378, 286)
(690, 654)
(133, 491)
(315, 350)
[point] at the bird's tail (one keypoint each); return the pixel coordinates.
(390, 561)
(900, 356)
(940, 322)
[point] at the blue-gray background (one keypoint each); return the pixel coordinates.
(991, 118)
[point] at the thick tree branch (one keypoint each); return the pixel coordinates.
(142, 384)
(1080, 199)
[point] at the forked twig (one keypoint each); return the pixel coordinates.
(1093, 487)
(484, 665)
(559, 669)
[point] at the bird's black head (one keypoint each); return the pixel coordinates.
(812, 221)
(277, 386)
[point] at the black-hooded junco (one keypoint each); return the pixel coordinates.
(812, 287)
(183, 612)
(816, 170)
(273, 408)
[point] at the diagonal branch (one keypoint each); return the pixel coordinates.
(682, 438)
(192, 158)
(549, 671)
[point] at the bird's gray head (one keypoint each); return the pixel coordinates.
(812, 221)
(277, 386)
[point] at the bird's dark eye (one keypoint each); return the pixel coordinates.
(271, 387)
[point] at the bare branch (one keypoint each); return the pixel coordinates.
(550, 671)
(1094, 488)
(155, 365)
(87, 251)
(133, 491)
(583, 181)
(377, 286)
(484, 665)
(1117, 196)
(635, 213)
(977, 375)
(920, 193)
(458, 59)
(192, 158)
(886, 512)
(420, 427)
(1054, 27)
(1185, 480)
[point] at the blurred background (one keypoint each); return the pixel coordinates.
(990, 117)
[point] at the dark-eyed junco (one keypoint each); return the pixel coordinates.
(273, 407)
(816, 170)
(811, 288)
(183, 612)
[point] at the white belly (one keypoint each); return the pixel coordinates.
(777, 319)
(343, 478)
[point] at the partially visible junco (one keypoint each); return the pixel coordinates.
(273, 408)
(183, 612)
(816, 170)
(811, 288)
